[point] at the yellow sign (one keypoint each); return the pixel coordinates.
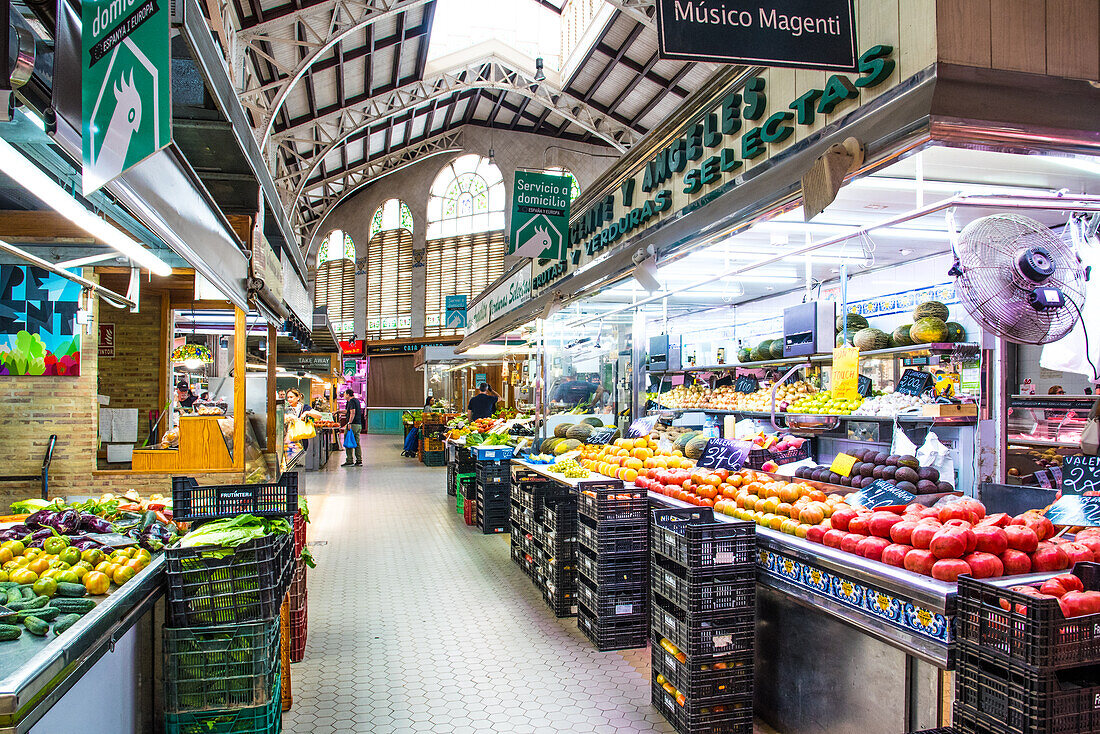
(843, 464)
(845, 378)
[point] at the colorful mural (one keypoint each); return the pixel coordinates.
(39, 334)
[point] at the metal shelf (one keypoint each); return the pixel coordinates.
(964, 421)
(1043, 442)
(921, 350)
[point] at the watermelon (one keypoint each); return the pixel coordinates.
(855, 323)
(777, 349)
(744, 355)
(870, 338)
(933, 309)
(900, 337)
(955, 332)
(763, 351)
(928, 330)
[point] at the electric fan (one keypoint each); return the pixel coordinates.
(1018, 279)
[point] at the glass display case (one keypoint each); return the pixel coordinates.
(587, 367)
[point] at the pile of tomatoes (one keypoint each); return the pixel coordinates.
(58, 562)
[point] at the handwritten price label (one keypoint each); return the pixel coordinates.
(914, 382)
(881, 493)
(1075, 509)
(641, 427)
(601, 436)
(1080, 474)
(725, 453)
(746, 384)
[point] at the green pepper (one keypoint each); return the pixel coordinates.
(55, 544)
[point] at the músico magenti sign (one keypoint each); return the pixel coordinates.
(807, 34)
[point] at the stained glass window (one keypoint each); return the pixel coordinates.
(393, 214)
(574, 187)
(467, 197)
(329, 251)
(335, 285)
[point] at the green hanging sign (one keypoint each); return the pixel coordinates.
(125, 86)
(540, 215)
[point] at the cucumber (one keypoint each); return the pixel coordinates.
(28, 591)
(67, 589)
(64, 622)
(9, 632)
(5, 585)
(36, 626)
(73, 606)
(14, 596)
(36, 603)
(47, 614)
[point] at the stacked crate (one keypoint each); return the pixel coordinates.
(492, 479)
(703, 583)
(297, 597)
(1021, 666)
(612, 560)
(222, 640)
(432, 432)
(461, 472)
(544, 531)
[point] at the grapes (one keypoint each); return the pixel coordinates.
(570, 469)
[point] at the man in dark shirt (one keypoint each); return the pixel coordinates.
(353, 421)
(184, 396)
(483, 404)
(574, 391)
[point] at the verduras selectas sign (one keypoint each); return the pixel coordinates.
(807, 34)
(510, 294)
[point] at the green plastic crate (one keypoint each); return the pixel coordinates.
(220, 668)
(266, 719)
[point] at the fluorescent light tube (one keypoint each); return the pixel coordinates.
(34, 180)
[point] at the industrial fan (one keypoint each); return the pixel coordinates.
(1018, 279)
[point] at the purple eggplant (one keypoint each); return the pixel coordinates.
(15, 532)
(67, 521)
(86, 544)
(159, 531)
(151, 544)
(40, 519)
(94, 524)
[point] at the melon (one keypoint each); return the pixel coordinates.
(695, 447)
(579, 431)
(777, 349)
(562, 429)
(928, 330)
(933, 309)
(569, 444)
(855, 323)
(684, 439)
(594, 422)
(763, 351)
(744, 355)
(955, 332)
(840, 339)
(548, 445)
(871, 338)
(901, 337)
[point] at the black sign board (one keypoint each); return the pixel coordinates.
(807, 34)
(1080, 474)
(881, 493)
(914, 382)
(865, 386)
(1075, 509)
(746, 383)
(724, 453)
(641, 427)
(601, 436)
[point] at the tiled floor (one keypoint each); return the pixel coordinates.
(419, 623)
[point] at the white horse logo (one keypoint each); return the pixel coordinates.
(538, 242)
(124, 122)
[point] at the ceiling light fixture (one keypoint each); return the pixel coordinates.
(540, 76)
(15, 165)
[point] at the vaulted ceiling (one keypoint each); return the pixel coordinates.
(340, 92)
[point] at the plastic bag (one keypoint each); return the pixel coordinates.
(351, 439)
(299, 430)
(902, 445)
(934, 454)
(1069, 354)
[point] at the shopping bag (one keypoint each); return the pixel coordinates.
(351, 438)
(299, 430)
(934, 454)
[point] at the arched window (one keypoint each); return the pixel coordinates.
(335, 285)
(466, 197)
(389, 271)
(574, 187)
(465, 236)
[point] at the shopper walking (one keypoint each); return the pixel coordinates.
(353, 426)
(483, 404)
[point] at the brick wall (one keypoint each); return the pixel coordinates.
(132, 377)
(147, 484)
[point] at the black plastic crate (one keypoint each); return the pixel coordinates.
(224, 667)
(524, 494)
(435, 458)
(623, 571)
(706, 635)
(728, 716)
(759, 456)
(1030, 631)
(607, 635)
(941, 730)
(210, 585)
(696, 541)
(560, 516)
(705, 677)
(614, 539)
(494, 472)
(192, 503)
(563, 602)
(1023, 699)
(608, 501)
(612, 604)
(452, 474)
(465, 456)
(494, 525)
(726, 592)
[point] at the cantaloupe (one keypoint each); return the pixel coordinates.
(855, 323)
(928, 330)
(695, 447)
(933, 309)
(871, 338)
(955, 332)
(900, 337)
(579, 431)
(562, 429)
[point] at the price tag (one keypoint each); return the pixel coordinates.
(1080, 474)
(881, 493)
(866, 387)
(624, 609)
(746, 384)
(724, 453)
(601, 436)
(914, 382)
(845, 376)
(1075, 509)
(843, 464)
(641, 427)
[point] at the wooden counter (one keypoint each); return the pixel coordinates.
(202, 448)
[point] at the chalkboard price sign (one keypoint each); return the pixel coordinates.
(914, 382)
(601, 436)
(724, 453)
(881, 493)
(746, 383)
(1075, 509)
(865, 386)
(1080, 474)
(641, 427)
